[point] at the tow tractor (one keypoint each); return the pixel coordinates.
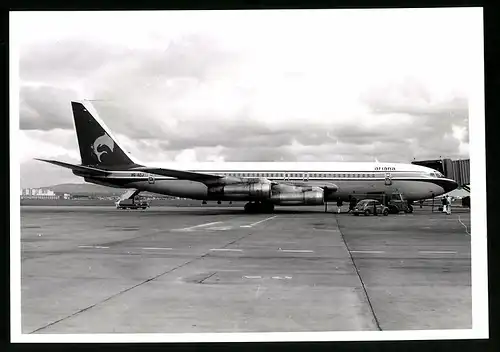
(397, 204)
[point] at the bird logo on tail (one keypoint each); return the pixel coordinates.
(101, 141)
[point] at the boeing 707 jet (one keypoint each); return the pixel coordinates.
(262, 184)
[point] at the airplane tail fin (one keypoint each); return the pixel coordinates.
(98, 147)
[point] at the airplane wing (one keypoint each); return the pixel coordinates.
(181, 174)
(85, 169)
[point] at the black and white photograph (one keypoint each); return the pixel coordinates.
(247, 175)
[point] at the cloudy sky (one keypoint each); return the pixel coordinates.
(322, 85)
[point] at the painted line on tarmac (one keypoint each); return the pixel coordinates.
(252, 277)
(186, 229)
(368, 252)
(437, 252)
(226, 250)
(153, 248)
(258, 222)
(223, 228)
(463, 225)
(296, 250)
(98, 247)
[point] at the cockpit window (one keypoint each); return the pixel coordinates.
(436, 174)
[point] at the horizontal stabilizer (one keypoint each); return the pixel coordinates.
(185, 175)
(84, 169)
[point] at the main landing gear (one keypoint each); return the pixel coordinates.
(259, 207)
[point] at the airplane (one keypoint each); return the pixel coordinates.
(262, 184)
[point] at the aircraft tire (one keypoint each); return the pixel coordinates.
(251, 207)
(266, 207)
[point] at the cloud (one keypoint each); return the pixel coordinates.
(434, 113)
(45, 108)
(68, 59)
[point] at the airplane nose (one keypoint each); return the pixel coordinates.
(450, 185)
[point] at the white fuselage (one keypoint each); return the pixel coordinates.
(353, 179)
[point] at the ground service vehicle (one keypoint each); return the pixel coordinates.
(397, 204)
(369, 207)
(132, 204)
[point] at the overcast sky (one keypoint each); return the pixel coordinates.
(322, 85)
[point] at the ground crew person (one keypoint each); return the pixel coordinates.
(352, 203)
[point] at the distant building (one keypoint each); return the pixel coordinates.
(37, 193)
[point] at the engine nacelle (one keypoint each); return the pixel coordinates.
(253, 190)
(299, 198)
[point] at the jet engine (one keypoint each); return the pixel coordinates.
(254, 190)
(314, 197)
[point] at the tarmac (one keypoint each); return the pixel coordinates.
(96, 269)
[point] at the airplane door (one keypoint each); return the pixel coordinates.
(151, 179)
(388, 179)
(306, 176)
